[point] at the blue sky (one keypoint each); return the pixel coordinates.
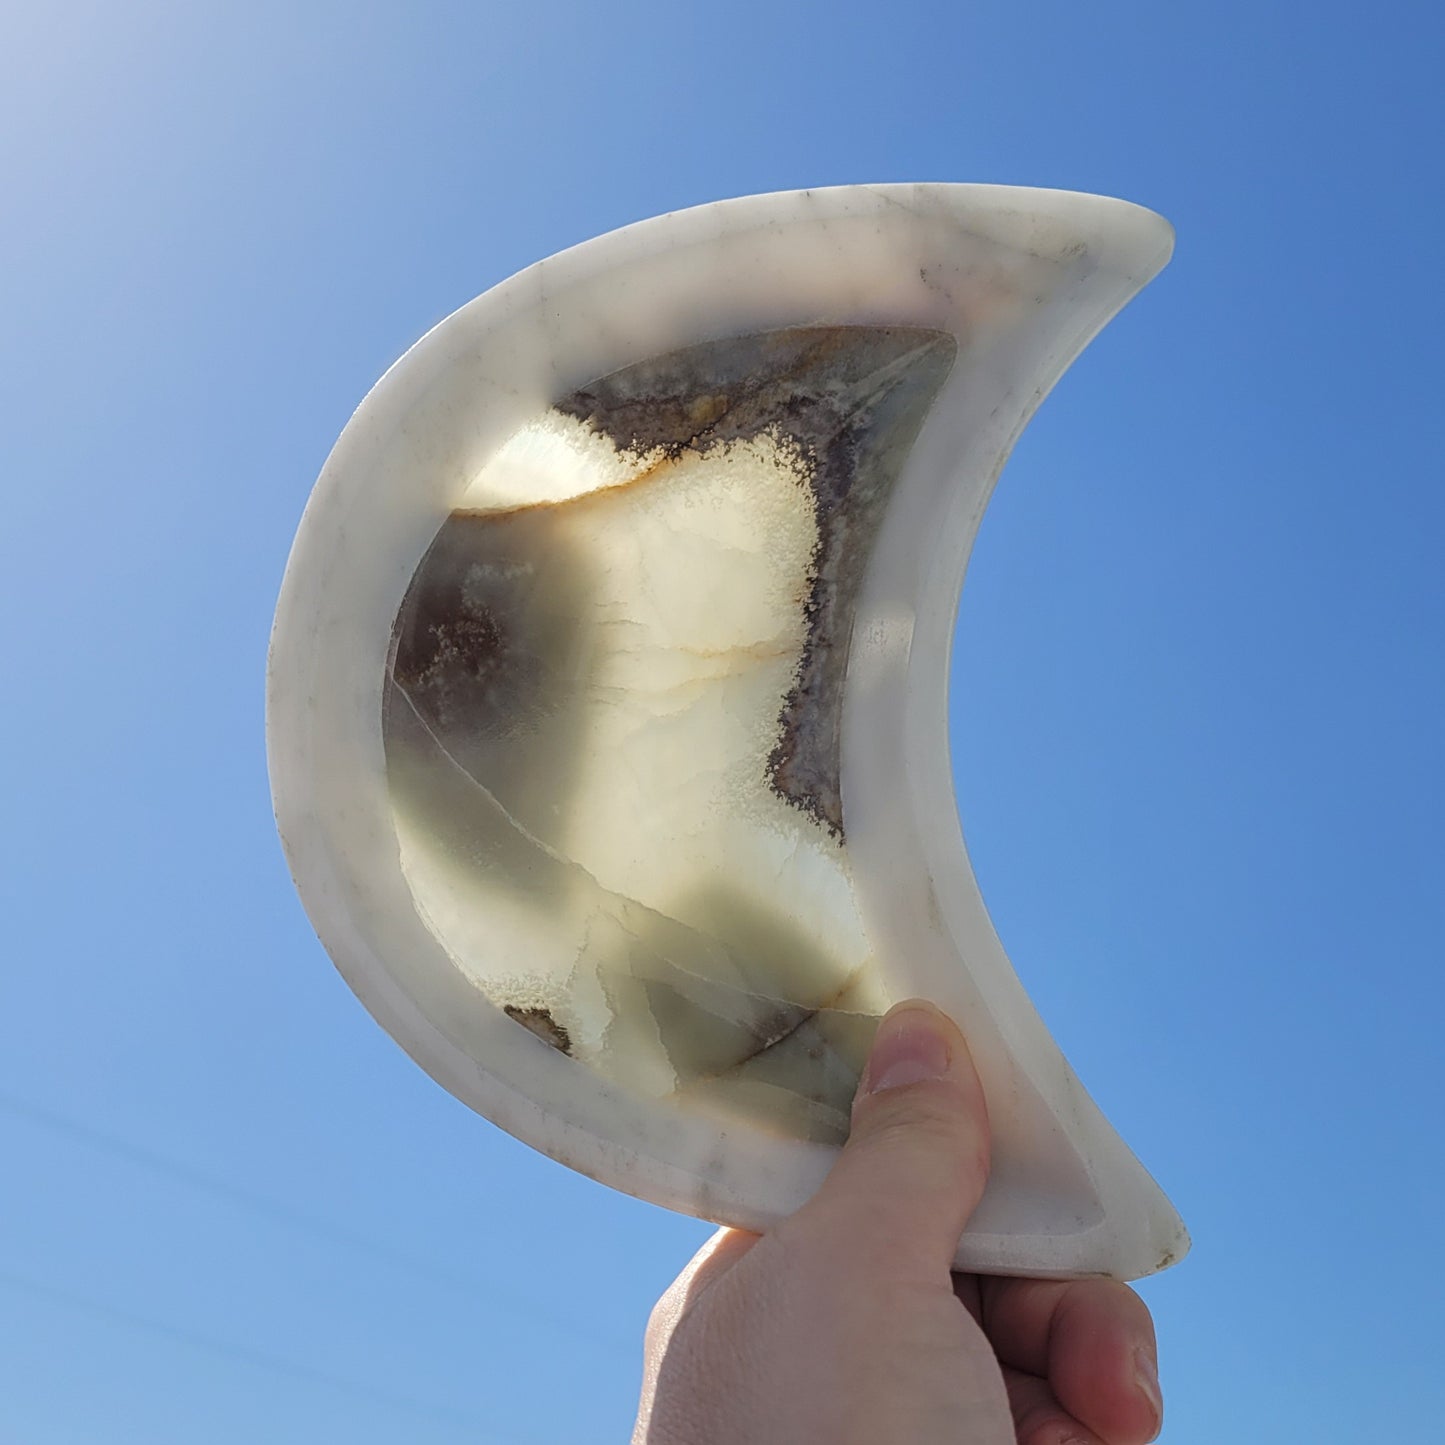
(1198, 702)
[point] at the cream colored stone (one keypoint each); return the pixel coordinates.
(607, 710)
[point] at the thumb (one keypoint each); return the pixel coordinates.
(916, 1160)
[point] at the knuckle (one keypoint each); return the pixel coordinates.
(927, 1115)
(1087, 1302)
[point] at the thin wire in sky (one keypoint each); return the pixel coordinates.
(477, 1430)
(298, 1220)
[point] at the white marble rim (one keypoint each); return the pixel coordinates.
(929, 255)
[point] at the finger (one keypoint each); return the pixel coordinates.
(1039, 1418)
(967, 1291)
(916, 1161)
(1093, 1340)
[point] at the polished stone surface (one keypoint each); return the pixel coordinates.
(608, 693)
(624, 708)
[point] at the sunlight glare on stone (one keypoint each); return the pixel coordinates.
(612, 713)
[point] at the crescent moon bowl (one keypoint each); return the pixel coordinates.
(608, 688)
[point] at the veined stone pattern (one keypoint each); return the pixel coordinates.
(607, 704)
(613, 704)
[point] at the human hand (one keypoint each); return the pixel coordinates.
(845, 1326)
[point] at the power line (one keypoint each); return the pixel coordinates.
(296, 1219)
(259, 1359)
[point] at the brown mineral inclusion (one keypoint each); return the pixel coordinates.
(494, 639)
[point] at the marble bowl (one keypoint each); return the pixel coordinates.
(607, 700)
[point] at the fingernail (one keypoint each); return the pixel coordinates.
(910, 1046)
(1146, 1376)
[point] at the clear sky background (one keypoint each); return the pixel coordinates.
(1199, 694)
